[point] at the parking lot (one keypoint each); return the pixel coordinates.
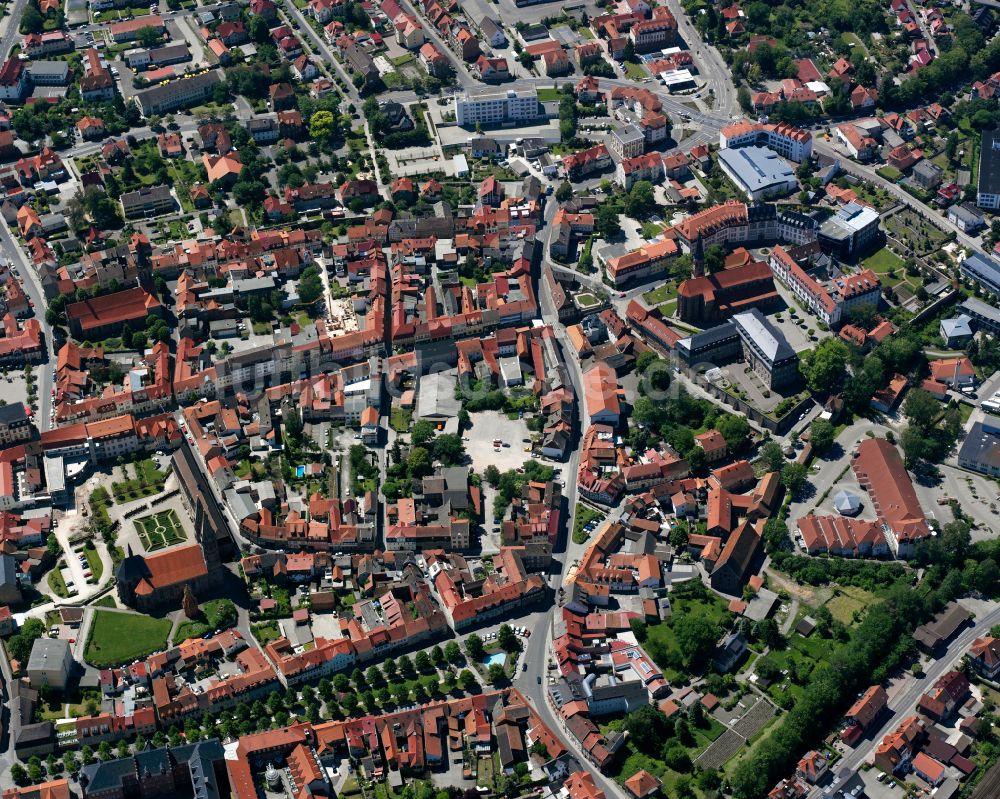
(490, 425)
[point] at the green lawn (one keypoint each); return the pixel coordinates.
(117, 638)
(159, 530)
(846, 601)
(889, 172)
(635, 71)
(584, 515)
(106, 602)
(198, 628)
(883, 262)
(668, 308)
(549, 95)
(400, 419)
(266, 631)
(93, 561)
(56, 583)
(662, 293)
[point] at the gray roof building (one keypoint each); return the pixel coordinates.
(49, 73)
(763, 337)
(759, 172)
(982, 270)
(179, 93)
(50, 663)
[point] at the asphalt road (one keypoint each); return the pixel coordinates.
(10, 35)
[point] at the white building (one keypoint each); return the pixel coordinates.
(786, 140)
(496, 108)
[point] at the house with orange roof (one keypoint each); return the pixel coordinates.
(713, 444)
(812, 767)
(642, 784)
(222, 168)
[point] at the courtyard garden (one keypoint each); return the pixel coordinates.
(160, 530)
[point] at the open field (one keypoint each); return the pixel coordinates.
(117, 638)
(848, 600)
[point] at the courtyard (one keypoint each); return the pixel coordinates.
(159, 530)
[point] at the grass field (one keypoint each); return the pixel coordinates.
(159, 530)
(635, 760)
(635, 71)
(117, 638)
(662, 293)
(106, 602)
(266, 631)
(549, 95)
(56, 583)
(198, 628)
(846, 601)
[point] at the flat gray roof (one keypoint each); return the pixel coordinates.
(757, 168)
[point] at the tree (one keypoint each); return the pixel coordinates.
(715, 259)
(496, 674)
(310, 285)
(696, 637)
(32, 20)
(147, 36)
(507, 640)
(452, 652)
(467, 680)
(322, 126)
(421, 432)
(564, 192)
(293, 424)
(607, 222)
(921, 409)
(772, 456)
(492, 475)
(418, 462)
(824, 366)
(86, 755)
(793, 477)
(744, 99)
(258, 30)
(423, 662)
(641, 202)
(437, 656)
(821, 434)
(474, 646)
(646, 727)
(449, 449)
(736, 430)
(17, 771)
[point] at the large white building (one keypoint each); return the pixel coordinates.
(495, 108)
(786, 140)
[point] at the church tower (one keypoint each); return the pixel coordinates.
(698, 257)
